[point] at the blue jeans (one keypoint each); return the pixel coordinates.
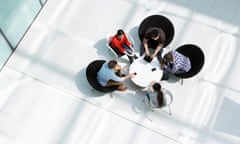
(129, 50)
(165, 75)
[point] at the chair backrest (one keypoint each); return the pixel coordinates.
(158, 21)
(196, 56)
(91, 73)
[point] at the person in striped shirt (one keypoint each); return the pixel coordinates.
(175, 63)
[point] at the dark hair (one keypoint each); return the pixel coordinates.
(168, 57)
(160, 99)
(153, 32)
(157, 87)
(120, 32)
(112, 64)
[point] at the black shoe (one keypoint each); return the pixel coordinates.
(165, 76)
(135, 57)
(131, 61)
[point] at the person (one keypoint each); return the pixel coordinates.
(120, 43)
(153, 42)
(155, 95)
(110, 74)
(175, 63)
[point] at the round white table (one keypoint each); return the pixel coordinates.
(145, 72)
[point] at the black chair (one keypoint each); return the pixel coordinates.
(91, 73)
(196, 56)
(158, 21)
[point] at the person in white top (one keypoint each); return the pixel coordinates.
(154, 95)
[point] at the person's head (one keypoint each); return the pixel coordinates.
(112, 64)
(154, 34)
(168, 58)
(156, 87)
(120, 33)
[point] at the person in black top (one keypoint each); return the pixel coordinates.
(153, 41)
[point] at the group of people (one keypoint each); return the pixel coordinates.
(112, 74)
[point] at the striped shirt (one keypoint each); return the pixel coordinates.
(181, 63)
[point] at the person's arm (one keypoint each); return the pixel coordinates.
(129, 44)
(126, 41)
(132, 75)
(159, 47)
(162, 65)
(132, 48)
(145, 45)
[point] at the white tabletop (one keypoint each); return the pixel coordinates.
(145, 72)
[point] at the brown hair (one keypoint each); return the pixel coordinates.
(160, 98)
(154, 32)
(168, 57)
(112, 64)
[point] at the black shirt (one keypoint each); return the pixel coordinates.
(154, 43)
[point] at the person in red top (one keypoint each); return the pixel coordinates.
(120, 43)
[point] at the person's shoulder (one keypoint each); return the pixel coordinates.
(114, 37)
(105, 65)
(176, 53)
(172, 52)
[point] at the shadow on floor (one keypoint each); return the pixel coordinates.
(84, 87)
(134, 34)
(102, 49)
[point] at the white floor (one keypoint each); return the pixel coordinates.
(45, 98)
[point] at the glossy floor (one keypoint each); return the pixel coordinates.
(45, 98)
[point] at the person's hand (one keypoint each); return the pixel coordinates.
(125, 69)
(152, 56)
(132, 75)
(162, 66)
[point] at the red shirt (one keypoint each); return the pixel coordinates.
(116, 43)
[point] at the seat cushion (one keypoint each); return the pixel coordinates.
(196, 56)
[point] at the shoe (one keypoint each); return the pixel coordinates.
(131, 60)
(135, 57)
